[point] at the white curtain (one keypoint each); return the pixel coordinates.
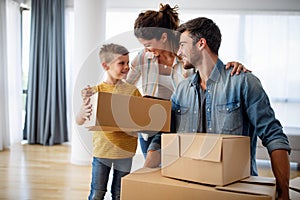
(10, 74)
(69, 39)
(14, 71)
(4, 116)
(269, 45)
(273, 56)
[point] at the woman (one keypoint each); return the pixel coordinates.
(157, 66)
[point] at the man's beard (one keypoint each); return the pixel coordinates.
(188, 65)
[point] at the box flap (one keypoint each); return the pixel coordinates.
(260, 180)
(294, 195)
(199, 146)
(170, 149)
(295, 184)
(170, 144)
(144, 170)
(249, 188)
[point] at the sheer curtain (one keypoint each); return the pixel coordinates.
(4, 122)
(272, 50)
(10, 74)
(269, 45)
(14, 71)
(69, 37)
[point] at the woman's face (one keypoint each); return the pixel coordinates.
(155, 46)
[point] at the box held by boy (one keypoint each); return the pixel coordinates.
(117, 112)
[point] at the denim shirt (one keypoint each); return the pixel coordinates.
(236, 105)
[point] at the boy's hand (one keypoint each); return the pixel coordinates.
(85, 112)
(86, 109)
(237, 68)
(87, 92)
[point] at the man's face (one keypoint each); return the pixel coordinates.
(187, 51)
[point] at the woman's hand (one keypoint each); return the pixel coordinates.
(236, 68)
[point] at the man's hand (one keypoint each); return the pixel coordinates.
(153, 159)
(236, 68)
(281, 169)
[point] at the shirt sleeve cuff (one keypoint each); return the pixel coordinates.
(154, 147)
(278, 144)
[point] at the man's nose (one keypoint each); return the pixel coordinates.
(179, 52)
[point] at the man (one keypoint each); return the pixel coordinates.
(211, 101)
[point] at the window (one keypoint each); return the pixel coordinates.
(25, 38)
(267, 44)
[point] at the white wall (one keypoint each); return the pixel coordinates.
(253, 5)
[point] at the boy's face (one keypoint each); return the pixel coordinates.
(118, 68)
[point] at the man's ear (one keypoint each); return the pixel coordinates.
(105, 66)
(201, 43)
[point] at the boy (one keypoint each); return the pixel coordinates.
(110, 148)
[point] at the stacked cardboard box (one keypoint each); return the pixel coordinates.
(295, 188)
(213, 159)
(200, 166)
(149, 184)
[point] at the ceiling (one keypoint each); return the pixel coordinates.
(227, 5)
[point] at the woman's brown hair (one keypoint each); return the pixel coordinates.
(152, 24)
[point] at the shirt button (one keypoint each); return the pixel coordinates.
(195, 112)
(178, 111)
(208, 109)
(194, 130)
(227, 109)
(209, 129)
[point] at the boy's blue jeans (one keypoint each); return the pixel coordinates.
(100, 175)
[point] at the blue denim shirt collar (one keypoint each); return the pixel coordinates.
(195, 80)
(217, 72)
(214, 76)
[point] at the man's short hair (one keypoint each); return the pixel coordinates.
(202, 27)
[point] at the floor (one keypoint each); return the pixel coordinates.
(35, 172)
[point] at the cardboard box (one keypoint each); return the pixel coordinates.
(116, 112)
(148, 184)
(295, 188)
(214, 159)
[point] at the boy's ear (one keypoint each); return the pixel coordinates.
(105, 66)
(164, 37)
